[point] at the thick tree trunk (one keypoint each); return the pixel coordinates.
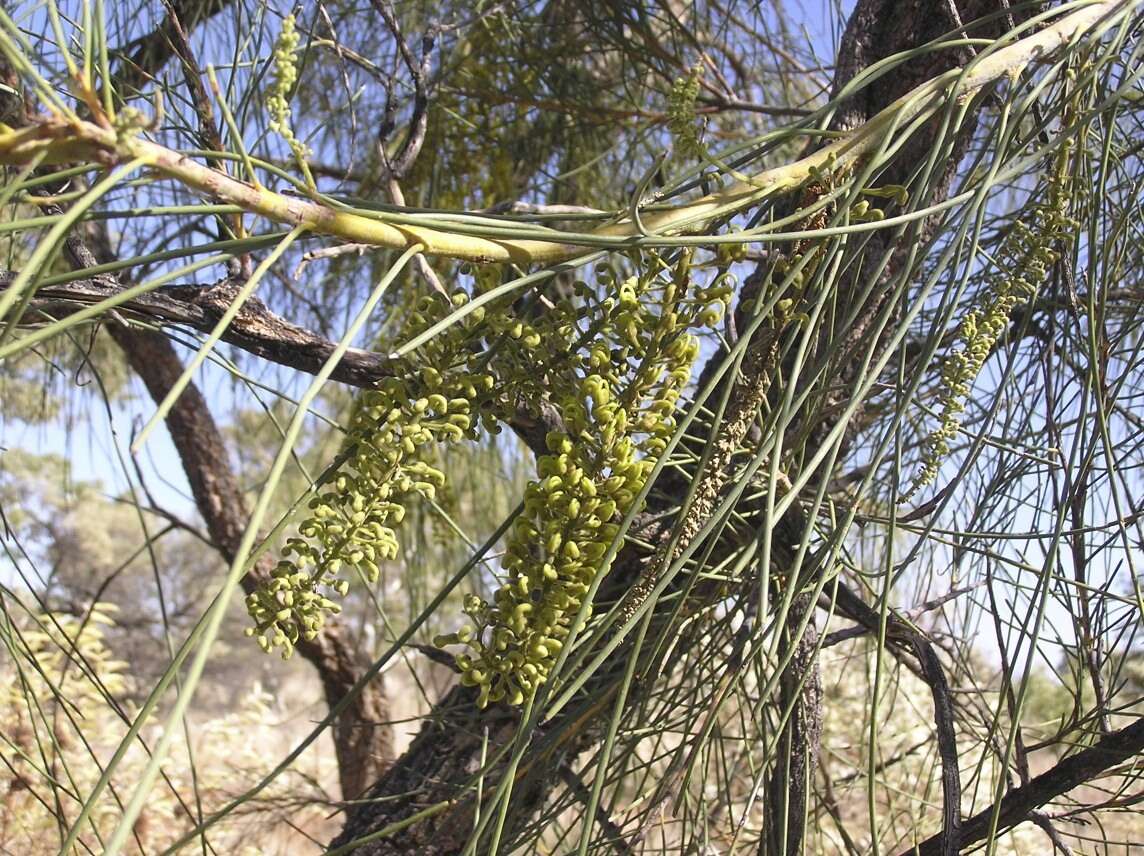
(437, 767)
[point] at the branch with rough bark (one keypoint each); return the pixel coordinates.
(1019, 805)
(255, 329)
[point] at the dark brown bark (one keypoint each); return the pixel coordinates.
(256, 330)
(139, 61)
(1019, 804)
(788, 799)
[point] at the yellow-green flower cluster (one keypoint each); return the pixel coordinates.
(614, 369)
(618, 413)
(682, 120)
(350, 528)
(282, 84)
(1028, 253)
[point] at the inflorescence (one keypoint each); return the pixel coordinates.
(618, 409)
(1028, 252)
(613, 367)
(682, 120)
(282, 85)
(350, 529)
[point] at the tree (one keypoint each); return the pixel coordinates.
(836, 359)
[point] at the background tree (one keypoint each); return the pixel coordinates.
(815, 525)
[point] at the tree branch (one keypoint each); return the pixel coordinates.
(1017, 806)
(255, 329)
(901, 633)
(140, 60)
(71, 139)
(439, 765)
(362, 737)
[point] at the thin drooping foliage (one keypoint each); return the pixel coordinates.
(659, 427)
